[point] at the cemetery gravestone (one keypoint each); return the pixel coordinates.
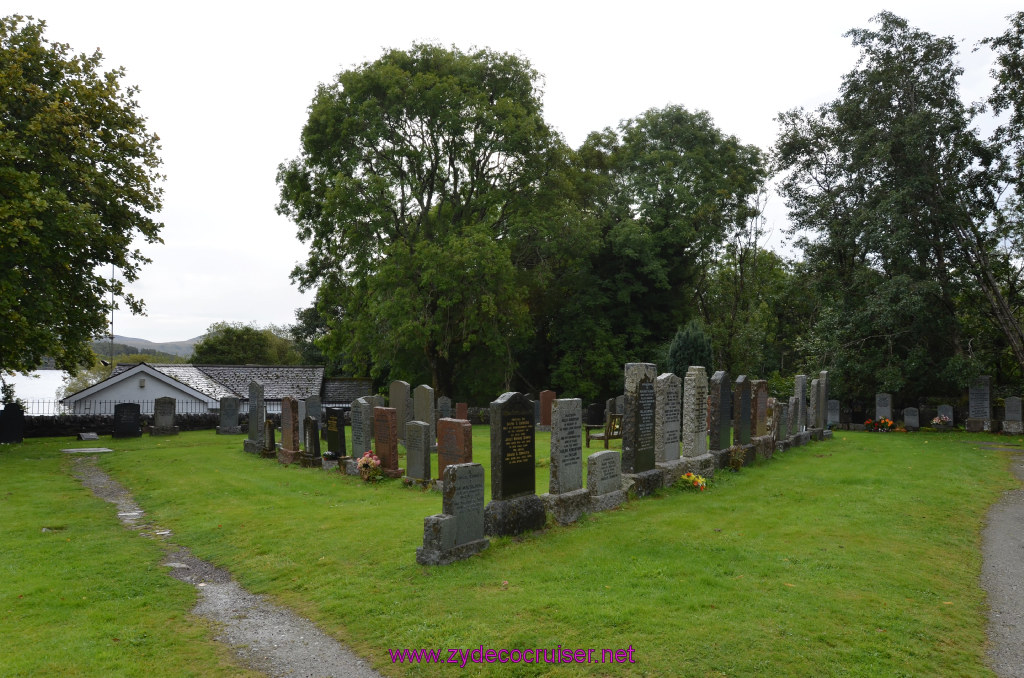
(398, 398)
(288, 449)
(302, 423)
(800, 391)
(794, 416)
(720, 414)
(336, 433)
(595, 414)
(81, 436)
(546, 400)
(126, 420)
(514, 506)
(638, 441)
(417, 452)
(458, 531)
(668, 396)
(566, 497)
(620, 404)
(812, 411)
(454, 443)
(741, 410)
(314, 408)
(423, 409)
(310, 457)
(12, 423)
(269, 443)
(366, 407)
(911, 419)
(163, 417)
(609, 408)
(462, 411)
(883, 406)
(695, 412)
(604, 480)
(759, 407)
(444, 408)
(980, 406)
(385, 426)
(947, 411)
(1012, 424)
(833, 413)
(257, 415)
(355, 413)
(823, 399)
(229, 417)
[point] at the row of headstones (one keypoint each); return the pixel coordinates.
(655, 410)
(979, 419)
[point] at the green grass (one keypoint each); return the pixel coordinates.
(856, 557)
(87, 597)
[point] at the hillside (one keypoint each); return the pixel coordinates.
(130, 345)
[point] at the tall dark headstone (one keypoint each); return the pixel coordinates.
(126, 421)
(759, 407)
(336, 433)
(398, 398)
(444, 408)
(229, 417)
(980, 406)
(514, 506)
(833, 413)
(454, 443)
(741, 410)
(257, 415)
(546, 399)
(812, 409)
(823, 400)
(462, 411)
(12, 423)
(638, 442)
(800, 393)
(721, 411)
(1012, 423)
(458, 531)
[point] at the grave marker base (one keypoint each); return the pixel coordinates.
(764, 446)
(439, 542)
(310, 461)
(509, 517)
(286, 457)
(826, 435)
(229, 430)
(701, 465)
(672, 470)
(1013, 427)
(982, 425)
(567, 507)
(164, 430)
(252, 446)
(420, 482)
(607, 501)
(329, 464)
(644, 483)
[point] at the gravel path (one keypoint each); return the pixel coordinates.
(1002, 576)
(265, 637)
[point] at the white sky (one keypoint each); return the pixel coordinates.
(226, 87)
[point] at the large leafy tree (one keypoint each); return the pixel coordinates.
(415, 173)
(78, 183)
(895, 190)
(241, 344)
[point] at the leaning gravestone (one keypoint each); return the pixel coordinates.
(638, 443)
(911, 418)
(604, 480)
(126, 421)
(454, 443)
(398, 398)
(980, 406)
(12, 423)
(163, 417)
(1012, 424)
(257, 415)
(417, 453)
(288, 449)
(458, 531)
(229, 417)
(833, 413)
(310, 457)
(566, 498)
(385, 433)
(423, 409)
(336, 433)
(883, 406)
(514, 507)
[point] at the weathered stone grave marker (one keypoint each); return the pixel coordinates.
(638, 443)
(454, 443)
(547, 398)
(417, 452)
(566, 498)
(604, 480)
(458, 531)
(883, 406)
(398, 398)
(385, 429)
(311, 457)
(423, 410)
(229, 407)
(163, 417)
(979, 398)
(257, 416)
(1012, 424)
(126, 421)
(911, 418)
(12, 423)
(288, 448)
(514, 506)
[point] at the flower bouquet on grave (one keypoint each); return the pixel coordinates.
(882, 425)
(941, 421)
(369, 467)
(694, 482)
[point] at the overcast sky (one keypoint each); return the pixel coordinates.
(226, 87)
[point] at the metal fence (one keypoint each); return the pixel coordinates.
(51, 407)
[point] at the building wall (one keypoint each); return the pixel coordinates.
(129, 390)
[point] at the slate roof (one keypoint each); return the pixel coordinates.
(220, 381)
(346, 390)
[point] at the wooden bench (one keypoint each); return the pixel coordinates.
(612, 430)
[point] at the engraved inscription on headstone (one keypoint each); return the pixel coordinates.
(566, 445)
(336, 432)
(638, 419)
(513, 451)
(417, 450)
(668, 399)
(444, 407)
(695, 412)
(126, 420)
(741, 410)
(883, 406)
(464, 499)
(229, 416)
(289, 424)
(911, 419)
(1013, 409)
(833, 412)
(980, 398)
(385, 426)
(398, 398)
(163, 416)
(454, 443)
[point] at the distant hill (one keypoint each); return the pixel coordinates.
(130, 345)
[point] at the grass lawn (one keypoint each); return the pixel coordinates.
(855, 557)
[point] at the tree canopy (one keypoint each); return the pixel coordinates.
(78, 182)
(241, 344)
